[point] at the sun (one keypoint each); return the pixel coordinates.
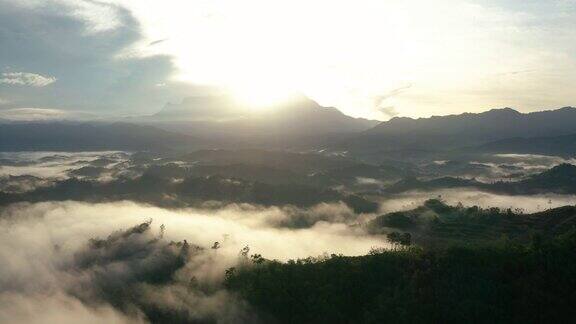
(261, 96)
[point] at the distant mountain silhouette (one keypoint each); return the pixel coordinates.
(555, 145)
(62, 136)
(202, 122)
(223, 118)
(458, 131)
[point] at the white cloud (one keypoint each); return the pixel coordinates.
(97, 16)
(47, 165)
(56, 308)
(44, 248)
(457, 55)
(471, 197)
(345, 53)
(42, 114)
(100, 17)
(26, 79)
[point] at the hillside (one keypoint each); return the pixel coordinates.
(458, 131)
(436, 223)
(505, 282)
(555, 145)
(61, 136)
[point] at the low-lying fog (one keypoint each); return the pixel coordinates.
(510, 167)
(26, 171)
(468, 197)
(50, 164)
(68, 224)
(46, 257)
(495, 167)
(53, 272)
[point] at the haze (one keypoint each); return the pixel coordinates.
(373, 59)
(275, 161)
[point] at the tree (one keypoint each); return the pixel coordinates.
(393, 238)
(405, 239)
(257, 258)
(244, 252)
(396, 238)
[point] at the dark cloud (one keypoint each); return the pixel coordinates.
(157, 42)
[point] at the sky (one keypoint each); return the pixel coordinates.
(369, 58)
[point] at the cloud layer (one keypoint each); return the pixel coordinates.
(43, 114)
(457, 56)
(133, 269)
(26, 79)
(85, 45)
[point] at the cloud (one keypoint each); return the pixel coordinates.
(470, 197)
(58, 307)
(43, 114)
(133, 270)
(156, 42)
(381, 101)
(98, 16)
(19, 184)
(51, 165)
(82, 43)
(26, 79)
(528, 164)
(389, 111)
(70, 223)
(104, 57)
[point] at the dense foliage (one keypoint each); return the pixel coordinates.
(436, 223)
(499, 283)
(190, 191)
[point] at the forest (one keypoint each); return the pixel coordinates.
(502, 282)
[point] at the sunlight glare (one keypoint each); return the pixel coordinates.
(261, 96)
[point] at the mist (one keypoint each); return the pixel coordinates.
(73, 260)
(470, 197)
(51, 164)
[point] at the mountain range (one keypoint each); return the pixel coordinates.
(295, 122)
(206, 122)
(441, 133)
(564, 145)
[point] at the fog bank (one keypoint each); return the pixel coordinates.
(72, 262)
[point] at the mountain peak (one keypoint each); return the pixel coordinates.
(506, 110)
(223, 117)
(218, 107)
